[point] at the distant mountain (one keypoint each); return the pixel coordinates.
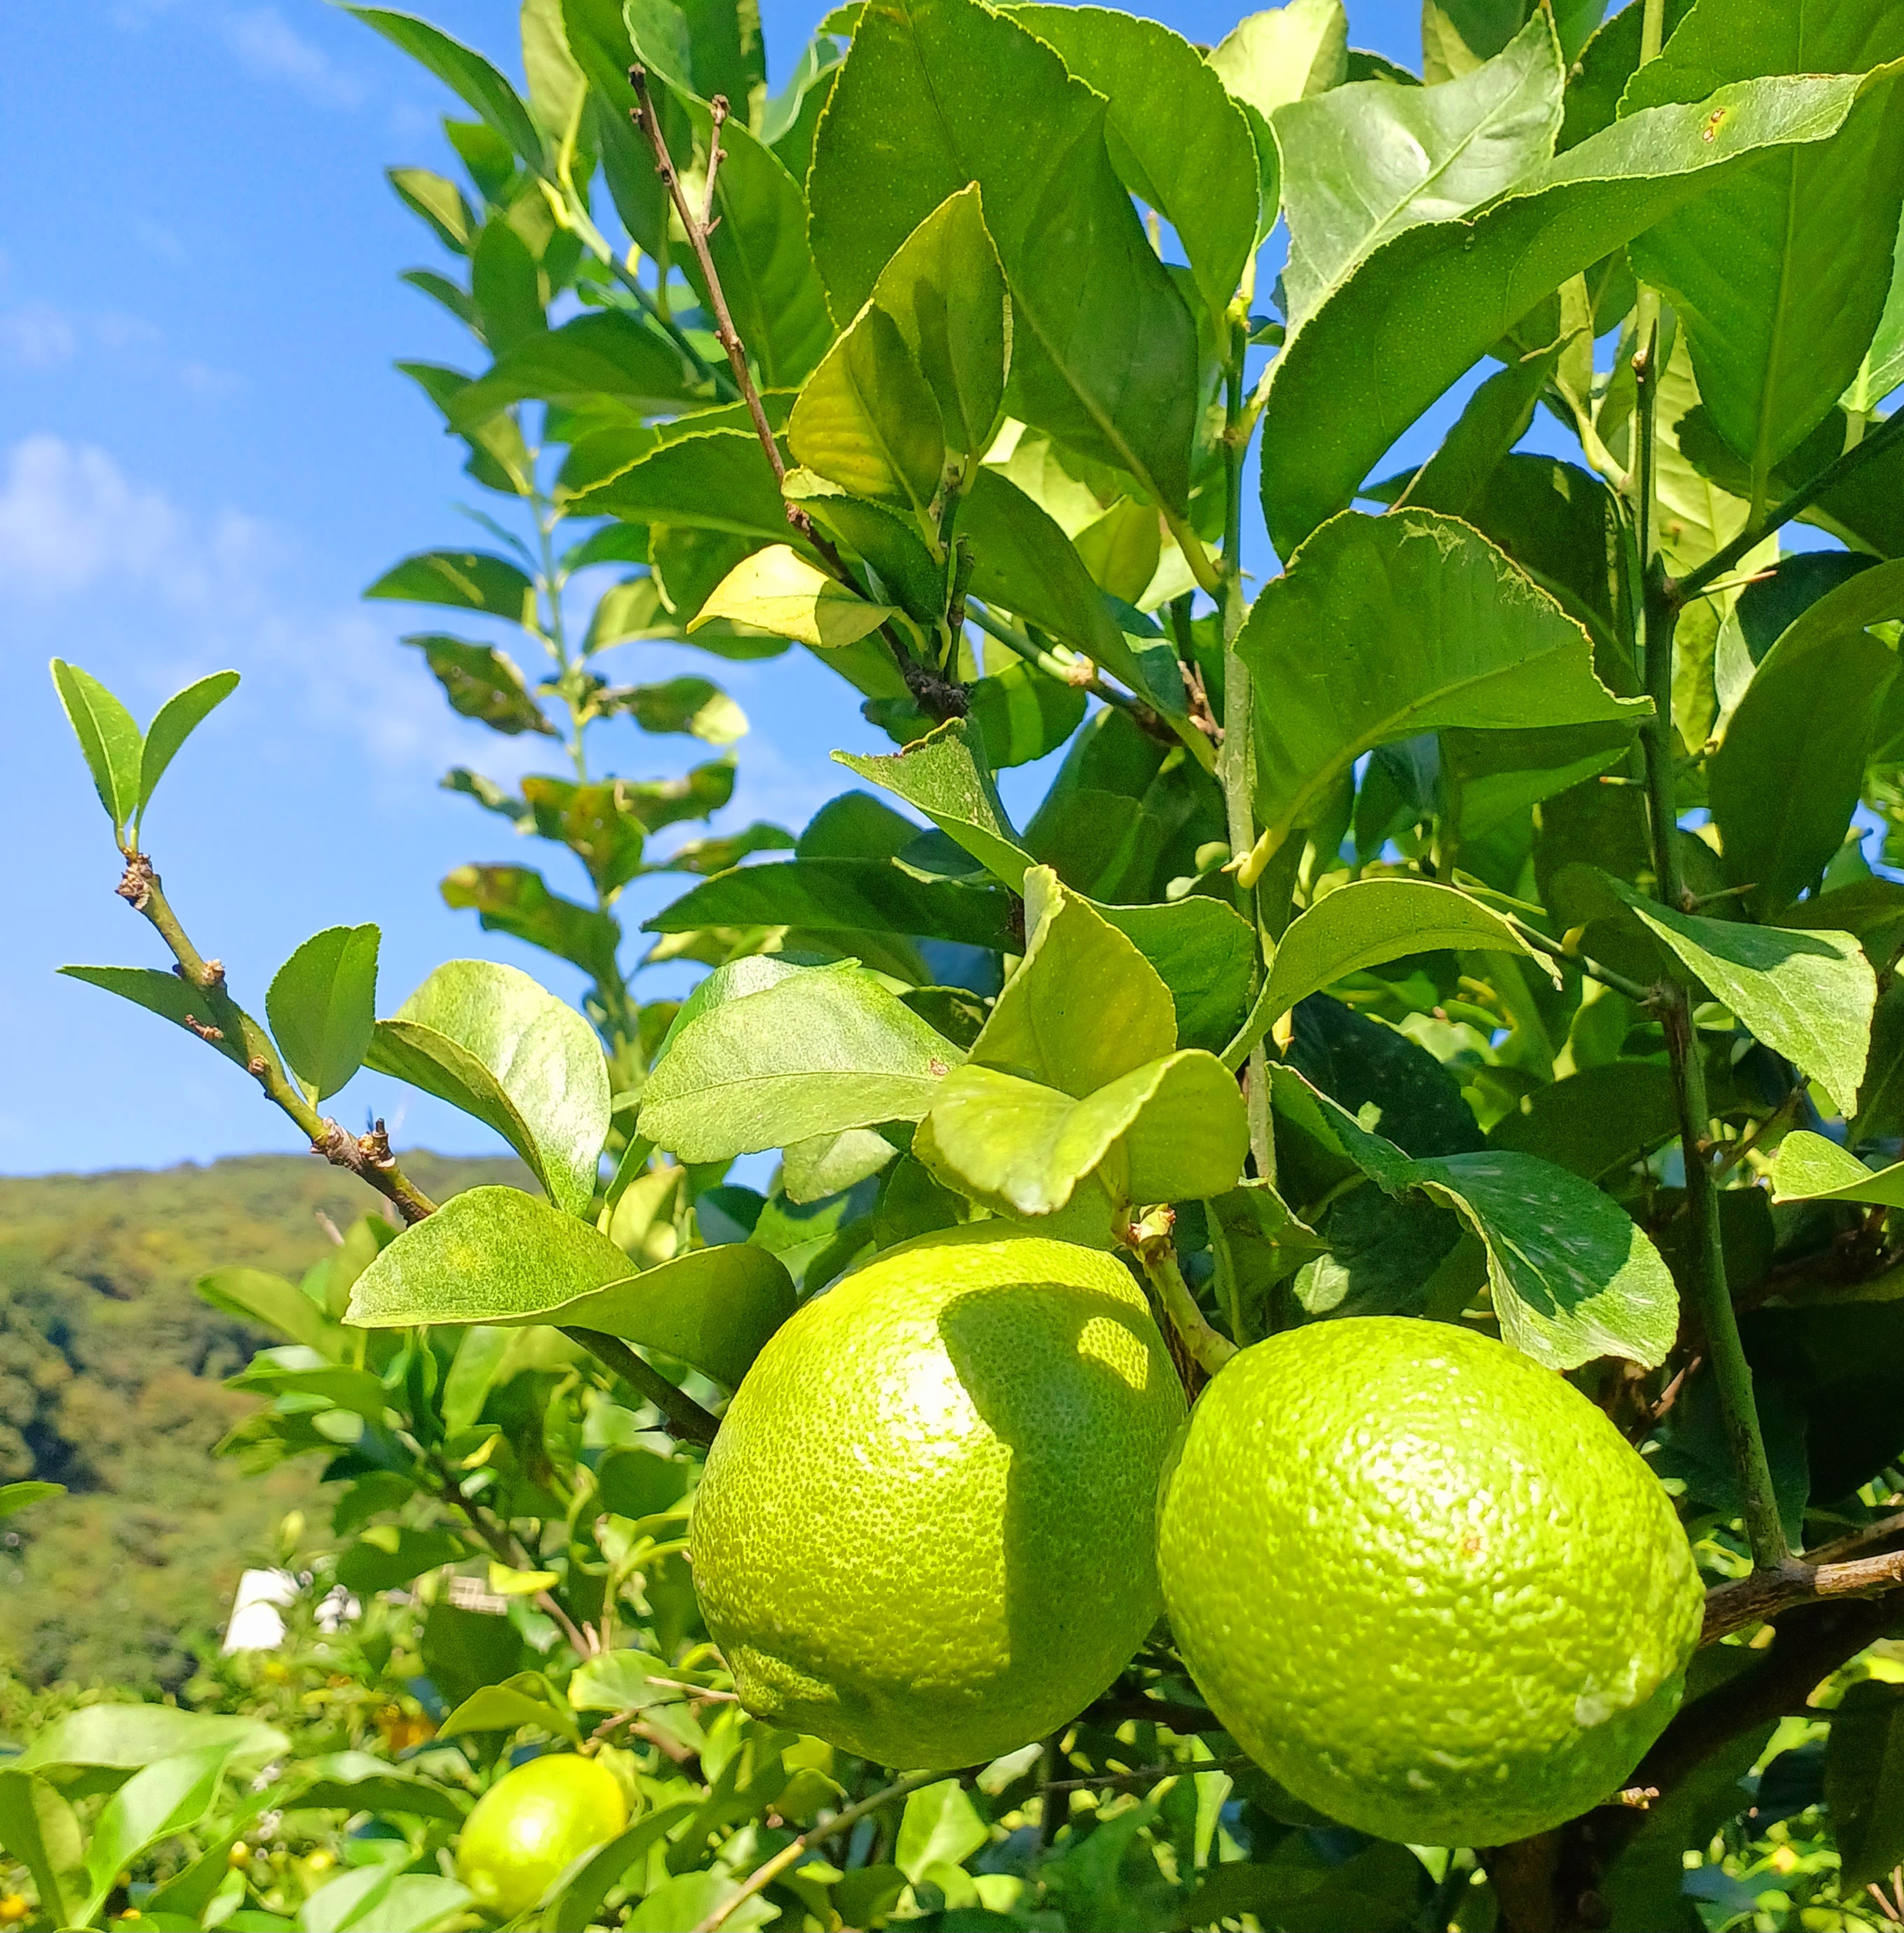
(110, 1369)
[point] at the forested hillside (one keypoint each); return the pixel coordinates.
(111, 1373)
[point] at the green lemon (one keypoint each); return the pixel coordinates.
(531, 1824)
(1423, 1581)
(925, 1533)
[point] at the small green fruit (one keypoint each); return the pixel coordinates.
(531, 1824)
(925, 1531)
(1424, 1582)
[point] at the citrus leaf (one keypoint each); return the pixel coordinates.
(489, 1040)
(1425, 305)
(179, 717)
(322, 1005)
(1022, 715)
(1174, 1129)
(358, 1781)
(497, 1256)
(1383, 627)
(18, 1496)
(482, 682)
(165, 994)
(1367, 924)
(696, 706)
(465, 580)
(1864, 1781)
(523, 1699)
(826, 1049)
(777, 590)
(517, 900)
(125, 1737)
(1808, 1168)
(713, 479)
(1599, 1120)
(1807, 995)
(1114, 376)
(1084, 1007)
(1778, 277)
(946, 777)
(867, 420)
(108, 737)
(156, 1802)
(1204, 952)
(40, 1829)
(1176, 139)
(465, 72)
(604, 357)
(255, 1295)
(385, 1558)
(1362, 163)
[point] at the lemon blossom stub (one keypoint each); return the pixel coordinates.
(925, 1529)
(1424, 1582)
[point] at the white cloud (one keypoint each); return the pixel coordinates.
(37, 337)
(272, 49)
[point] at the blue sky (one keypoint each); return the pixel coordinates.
(204, 456)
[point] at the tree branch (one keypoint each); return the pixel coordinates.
(367, 1156)
(1696, 583)
(1835, 1570)
(1673, 1002)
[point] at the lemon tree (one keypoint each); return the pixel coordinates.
(1432, 1018)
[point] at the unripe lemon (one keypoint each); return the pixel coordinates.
(1424, 1582)
(531, 1823)
(925, 1530)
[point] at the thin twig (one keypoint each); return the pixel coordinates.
(1151, 1242)
(764, 1876)
(1148, 1775)
(1672, 1001)
(1133, 1707)
(1081, 672)
(1697, 583)
(686, 1416)
(367, 1156)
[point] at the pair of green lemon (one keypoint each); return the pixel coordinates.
(1422, 1581)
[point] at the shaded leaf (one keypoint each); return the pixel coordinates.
(497, 1256)
(1600, 1119)
(604, 355)
(482, 682)
(1022, 715)
(1864, 1781)
(695, 705)
(465, 580)
(385, 1558)
(946, 777)
(516, 900)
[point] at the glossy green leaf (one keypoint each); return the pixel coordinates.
(1779, 276)
(1864, 1781)
(602, 826)
(482, 682)
(938, 1826)
(1385, 627)
(507, 289)
(517, 900)
(359, 1782)
(465, 72)
(257, 1296)
(524, 1700)
(111, 742)
(843, 896)
(945, 292)
(1573, 1277)
(1171, 1129)
(1267, 60)
(715, 479)
(1114, 377)
(605, 354)
(1367, 924)
(1456, 479)
(499, 458)
(322, 1005)
(1808, 1168)
(1178, 140)
(1084, 1007)
(777, 589)
(1022, 560)
(1785, 782)
(1362, 163)
(464, 580)
(831, 1164)
(709, 856)
(18, 1496)
(126, 1737)
(696, 706)
(1883, 368)
(167, 995)
(1427, 304)
(40, 1829)
(497, 1256)
(156, 1802)
(1022, 715)
(1205, 954)
(385, 1558)
(823, 1050)
(489, 1040)
(945, 776)
(1808, 996)
(179, 717)
(867, 420)
(439, 201)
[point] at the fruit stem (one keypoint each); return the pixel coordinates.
(1151, 1242)
(1673, 1002)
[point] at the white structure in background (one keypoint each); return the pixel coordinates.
(258, 1620)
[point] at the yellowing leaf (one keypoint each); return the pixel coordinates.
(777, 590)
